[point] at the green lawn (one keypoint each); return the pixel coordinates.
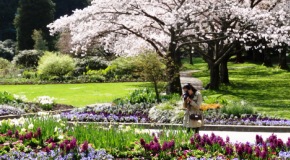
(75, 94)
(268, 89)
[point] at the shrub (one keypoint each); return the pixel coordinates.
(6, 98)
(4, 63)
(29, 74)
(28, 58)
(237, 108)
(122, 69)
(53, 65)
(89, 63)
(39, 42)
(7, 49)
(138, 96)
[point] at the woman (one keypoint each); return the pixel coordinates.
(193, 118)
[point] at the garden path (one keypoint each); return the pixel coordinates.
(186, 77)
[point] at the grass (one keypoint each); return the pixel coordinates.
(266, 88)
(75, 94)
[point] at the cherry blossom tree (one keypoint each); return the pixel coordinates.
(128, 27)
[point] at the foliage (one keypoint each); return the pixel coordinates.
(89, 63)
(237, 108)
(30, 16)
(28, 58)
(151, 69)
(259, 85)
(39, 42)
(122, 69)
(4, 64)
(7, 14)
(7, 49)
(138, 96)
(6, 98)
(53, 65)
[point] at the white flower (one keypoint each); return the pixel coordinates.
(45, 100)
(21, 121)
(23, 130)
(60, 137)
(42, 113)
(30, 126)
(55, 129)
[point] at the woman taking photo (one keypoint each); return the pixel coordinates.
(193, 118)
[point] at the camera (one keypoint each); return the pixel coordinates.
(185, 96)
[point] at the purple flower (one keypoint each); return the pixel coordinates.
(68, 147)
(155, 139)
(9, 133)
(38, 131)
(61, 146)
(142, 142)
(263, 155)
(16, 134)
(73, 143)
(257, 151)
(165, 146)
(228, 139)
(85, 146)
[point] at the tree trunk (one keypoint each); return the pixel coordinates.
(239, 58)
(224, 72)
(267, 58)
(172, 72)
(173, 65)
(190, 56)
(257, 56)
(156, 92)
(214, 77)
(283, 59)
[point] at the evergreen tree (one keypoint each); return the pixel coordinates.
(65, 7)
(7, 14)
(39, 42)
(31, 15)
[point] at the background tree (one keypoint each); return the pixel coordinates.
(39, 42)
(66, 7)
(166, 26)
(152, 70)
(7, 14)
(33, 14)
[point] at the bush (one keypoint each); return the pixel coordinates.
(7, 49)
(6, 98)
(237, 108)
(138, 96)
(122, 69)
(29, 74)
(4, 63)
(28, 58)
(55, 65)
(89, 63)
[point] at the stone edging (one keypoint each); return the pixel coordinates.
(33, 114)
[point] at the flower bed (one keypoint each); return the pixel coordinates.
(7, 110)
(145, 113)
(137, 113)
(23, 138)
